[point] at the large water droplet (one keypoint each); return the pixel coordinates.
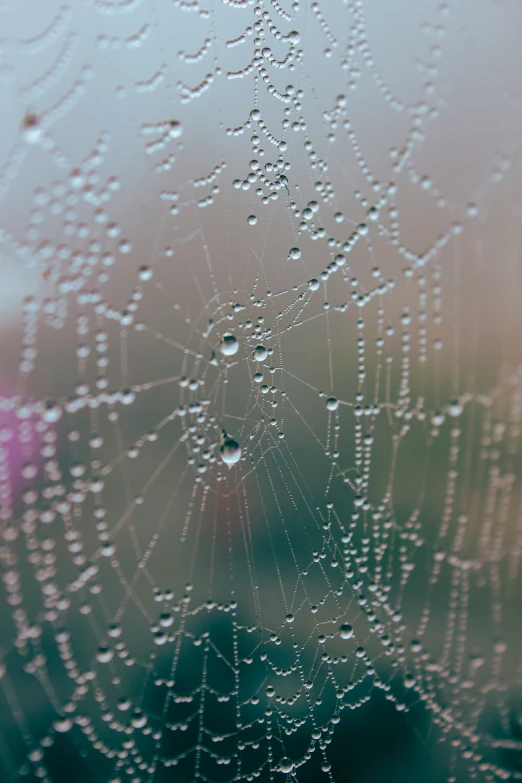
(229, 345)
(286, 765)
(346, 631)
(260, 353)
(230, 451)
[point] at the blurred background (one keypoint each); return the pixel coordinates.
(260, 391)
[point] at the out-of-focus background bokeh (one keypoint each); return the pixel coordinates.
(260, 391)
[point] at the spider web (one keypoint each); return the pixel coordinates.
(261, 405)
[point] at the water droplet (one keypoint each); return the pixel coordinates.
(294, 253)
(62, 725)
(455, 408)
(332, 403)
(31, 128)
(252, 220)
(230, 451)
(286, 765)
(166, 619)
(138, 719)
(176, 129)
(145, 272)
(260, 353)
(104, 654)
(346, 631)
(229, 345)
(52, 412)
(29, 470)
(107, 549)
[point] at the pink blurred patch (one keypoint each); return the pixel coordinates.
(19, 450)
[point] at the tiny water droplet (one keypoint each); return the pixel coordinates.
(31, 128)
(145, 272)
(176, 129)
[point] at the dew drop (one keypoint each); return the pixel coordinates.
(346, 631)
(286, 765)
(31, 128)
(138, 719)
(332, 403)
(52, 412)
(107, 549)
(176, 129)
(455, 408)
(260, 353)
(62, 725)
(29, 470)
(230, 451)
(104, 654)
(145, 272)
(229, 345)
